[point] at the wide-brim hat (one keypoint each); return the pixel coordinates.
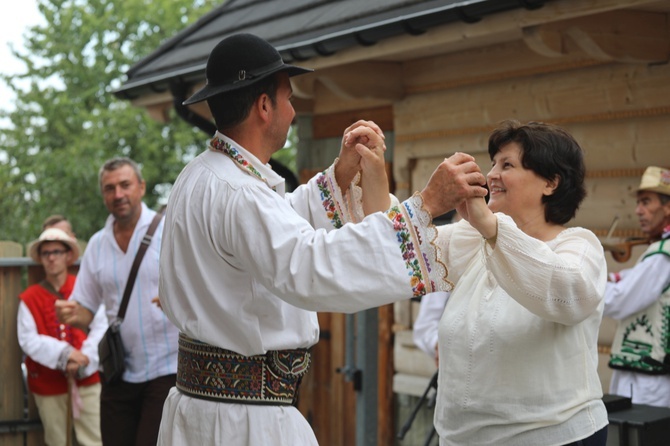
(53, 235)
(238, 61)
(655, 179)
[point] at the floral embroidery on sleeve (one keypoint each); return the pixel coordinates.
(327, 201)
(408, 250)
(416, 236)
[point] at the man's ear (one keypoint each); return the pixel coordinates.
(263, 106)
(551, 185)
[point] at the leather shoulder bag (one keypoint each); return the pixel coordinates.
(110, 349)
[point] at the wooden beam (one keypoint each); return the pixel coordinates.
(332, 125)
(458, 36)
(160, 112)
(619, 36)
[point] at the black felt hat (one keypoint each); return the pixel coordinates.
(238, 61)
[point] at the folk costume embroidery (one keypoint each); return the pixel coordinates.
(647, 333)
(401, 216)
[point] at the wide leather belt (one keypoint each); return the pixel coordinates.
(214, 373)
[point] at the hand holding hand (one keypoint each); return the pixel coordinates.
(477, 213)
(455, 179)
(75, 363)
(374, 181)
(363, 132)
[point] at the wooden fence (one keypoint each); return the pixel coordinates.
(19, 420)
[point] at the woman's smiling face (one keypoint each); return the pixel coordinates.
(515, 190)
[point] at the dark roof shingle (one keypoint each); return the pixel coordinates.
(299, 29)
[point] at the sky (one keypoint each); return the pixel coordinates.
(13, 24)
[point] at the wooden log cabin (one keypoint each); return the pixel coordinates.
(438, 76)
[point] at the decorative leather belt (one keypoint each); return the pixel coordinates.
(214, 373)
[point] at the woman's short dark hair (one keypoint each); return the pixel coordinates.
(231, 108)
(553, 154)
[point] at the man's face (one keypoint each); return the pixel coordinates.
(122, 193)
(653, 215)
(55, 257)
(283, 113)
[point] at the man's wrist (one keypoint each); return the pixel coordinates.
(344, 174)
(64, 357)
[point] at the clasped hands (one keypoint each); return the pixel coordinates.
(457, 182)
(75, 362)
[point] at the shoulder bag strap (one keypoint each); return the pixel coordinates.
(146, 241)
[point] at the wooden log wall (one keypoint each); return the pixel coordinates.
(619, 112)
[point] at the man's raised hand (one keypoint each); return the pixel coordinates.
(455, 179)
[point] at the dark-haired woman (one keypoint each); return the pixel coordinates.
(518, 338)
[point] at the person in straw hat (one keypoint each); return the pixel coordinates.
(639, 298)
(244, 265)
(62, 361)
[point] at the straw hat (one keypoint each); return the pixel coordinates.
(238, 61)
(655, 179)
(53, 235)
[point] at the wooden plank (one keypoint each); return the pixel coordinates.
(316, 388)
(10, 249)
(385, 422)
(595, 94)
(507, 60)
(332, 125)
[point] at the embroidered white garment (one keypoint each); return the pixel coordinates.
(518, 338)
(638, 288)
(244, 266)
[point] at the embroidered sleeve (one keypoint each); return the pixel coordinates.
(342, 206)
(331, 197)
(416, 235)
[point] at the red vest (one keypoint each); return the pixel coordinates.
(41, 303)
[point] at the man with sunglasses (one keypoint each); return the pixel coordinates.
(62, 361)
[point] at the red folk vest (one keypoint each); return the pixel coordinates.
(43, 380)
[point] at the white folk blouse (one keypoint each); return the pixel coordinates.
(518, 338)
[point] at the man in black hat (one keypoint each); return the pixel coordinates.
(244, 265)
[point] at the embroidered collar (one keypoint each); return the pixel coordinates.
(221, 145)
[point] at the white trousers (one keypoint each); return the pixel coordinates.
(190, 421)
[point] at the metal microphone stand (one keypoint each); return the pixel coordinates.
(429, 402)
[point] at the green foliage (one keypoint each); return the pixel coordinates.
(66, 122)
(287, 155)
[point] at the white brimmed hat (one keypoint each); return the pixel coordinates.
(655, 179)
(53, 235)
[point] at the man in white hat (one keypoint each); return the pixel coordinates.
(62, 361)
(639, 299)
(244, 265)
